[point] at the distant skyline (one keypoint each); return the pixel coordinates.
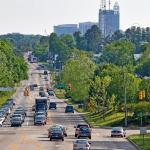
(38, 16)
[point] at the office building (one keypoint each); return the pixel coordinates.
(65, 29)
(84, 26)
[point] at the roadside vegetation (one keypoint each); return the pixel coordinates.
(101, 85)
(13, 69)
(138, 140)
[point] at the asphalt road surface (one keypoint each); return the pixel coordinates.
(30, 137)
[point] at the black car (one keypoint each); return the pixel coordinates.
(56, 133)
(16, 121)
(52, 105)
(69, 109)
(45, 72)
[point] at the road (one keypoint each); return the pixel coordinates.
(30, 137)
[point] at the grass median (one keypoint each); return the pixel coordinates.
(138, 140)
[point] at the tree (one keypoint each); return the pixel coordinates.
(119, 53)
(98, 92)
(78, 72)
(93, 37)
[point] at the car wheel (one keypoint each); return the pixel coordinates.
(89, 137)
(62, 139)
(65, 135)
(112, 136)
(50, 139)
(75, 135)
(78, 137)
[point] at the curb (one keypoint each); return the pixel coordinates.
(133, 144)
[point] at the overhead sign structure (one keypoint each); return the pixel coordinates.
(3, 89)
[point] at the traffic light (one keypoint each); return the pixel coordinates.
(141, 95)
(26, 92)
(69, 86)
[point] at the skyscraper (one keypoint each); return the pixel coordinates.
(109, 19)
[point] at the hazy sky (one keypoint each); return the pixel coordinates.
(36, 16)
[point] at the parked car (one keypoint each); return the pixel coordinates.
(56, 133)
(69, 109)
(40, 120)
(16, 121)
(41, 88)
(84, 132)
(52, 105)
(118, 131)
(77, 128)
(81, 144)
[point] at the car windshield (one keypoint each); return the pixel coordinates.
(84, 129)
(16, 119)
(117, 129)
(81, 141)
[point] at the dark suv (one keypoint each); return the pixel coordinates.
(69, 109)
(52, 105)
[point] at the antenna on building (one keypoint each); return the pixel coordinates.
(103, 4)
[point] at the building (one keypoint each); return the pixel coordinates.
(84, 26)
(66, 29)
(109, 19)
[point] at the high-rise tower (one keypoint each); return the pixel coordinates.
(109, 19)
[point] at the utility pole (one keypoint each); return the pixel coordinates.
(125, 101)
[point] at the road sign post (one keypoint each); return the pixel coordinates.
(143, 131)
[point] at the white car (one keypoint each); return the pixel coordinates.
(2, 119)
(81, 144)
(118, 131)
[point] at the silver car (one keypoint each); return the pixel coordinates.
(118, 131)
(81, 144)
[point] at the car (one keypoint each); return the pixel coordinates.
(69, 109)
(78, 127)
(18, 116)
(42, 94)
(41, 88)
(40, 120)
(16, 121)
(45, 72)
(81, 144)
(40, 113)
(56, 133)
(62, 128)
(52, 105)
(118, 131)
(33, 108)
(84, 132)
(2, 119)
(51, 93)
(19, 111)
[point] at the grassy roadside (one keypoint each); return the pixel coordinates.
(4, 98)
(111, 118)
(138, 140)
(60, 93)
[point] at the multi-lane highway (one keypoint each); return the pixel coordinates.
(30, 137)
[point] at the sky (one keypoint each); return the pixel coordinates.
(39, 16)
